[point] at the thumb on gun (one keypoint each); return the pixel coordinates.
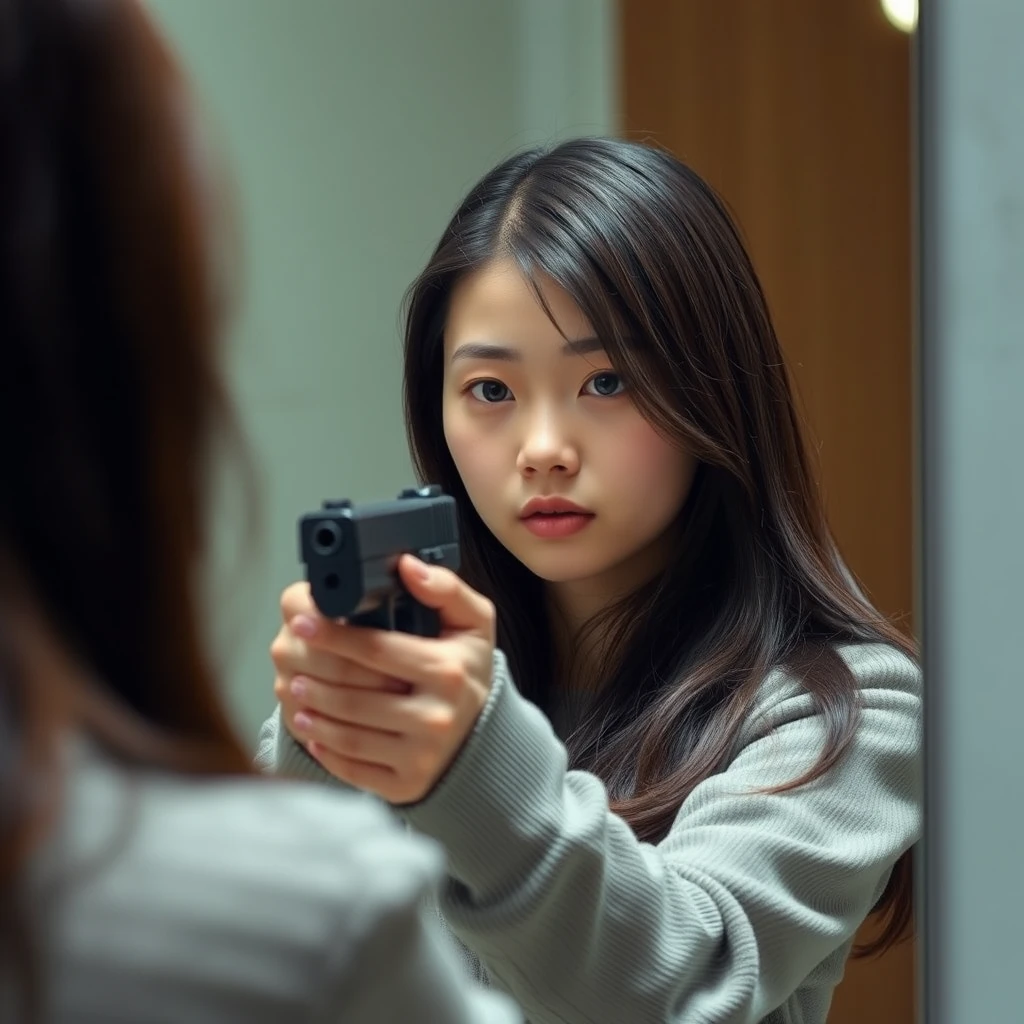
(460, 607)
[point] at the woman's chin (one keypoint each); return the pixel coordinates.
(551, 568)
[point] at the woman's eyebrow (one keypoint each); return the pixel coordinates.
(505, 354)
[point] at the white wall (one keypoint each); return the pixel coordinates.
(352, 128)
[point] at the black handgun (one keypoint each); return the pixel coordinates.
(351, 553)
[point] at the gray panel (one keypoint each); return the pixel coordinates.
(971, 166)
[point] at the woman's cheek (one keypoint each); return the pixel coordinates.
(470, 452)
(652, 464)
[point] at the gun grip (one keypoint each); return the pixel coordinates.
(412, 617)
(404, 614)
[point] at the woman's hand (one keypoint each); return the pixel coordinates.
(385, 711)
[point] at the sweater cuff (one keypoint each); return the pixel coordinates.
(484, 811)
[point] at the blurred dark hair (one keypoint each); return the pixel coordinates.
(110, 396)
(651, 256)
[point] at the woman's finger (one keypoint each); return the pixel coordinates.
(418, 660)
(389, 711)
(292, 657)
(354, 742)
(297, 600)
(373, 778)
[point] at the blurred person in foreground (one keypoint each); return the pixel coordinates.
(146, 874)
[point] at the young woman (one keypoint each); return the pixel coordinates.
(729, 784)
(143, 875)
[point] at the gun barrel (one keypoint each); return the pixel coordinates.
(350, 551)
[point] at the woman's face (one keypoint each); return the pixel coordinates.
(554, 455)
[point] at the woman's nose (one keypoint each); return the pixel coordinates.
(547, 448)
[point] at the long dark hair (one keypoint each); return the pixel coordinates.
(651, 256)
(109, 396)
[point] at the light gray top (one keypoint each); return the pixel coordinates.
(744, 913)
(166, 899)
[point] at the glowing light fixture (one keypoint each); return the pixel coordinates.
(901, 13)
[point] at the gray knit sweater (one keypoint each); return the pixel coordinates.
(168, 899)
(744, 913)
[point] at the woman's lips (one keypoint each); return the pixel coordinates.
(554, 525)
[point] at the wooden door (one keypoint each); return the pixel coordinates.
(798, 113)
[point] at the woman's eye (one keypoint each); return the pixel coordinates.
(604, 385)
(490, 391)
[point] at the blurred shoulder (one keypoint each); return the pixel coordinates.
(250, 898)
(271, 848)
